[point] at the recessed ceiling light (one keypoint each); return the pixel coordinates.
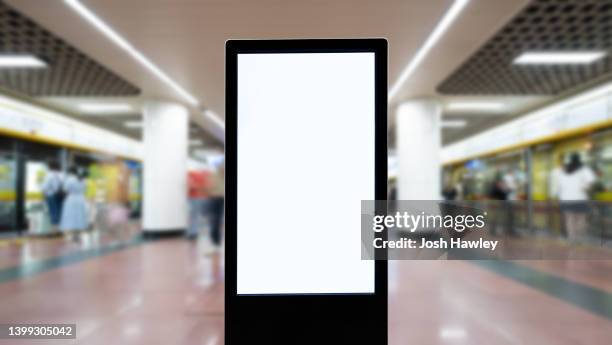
(111, 34)
(448, 18)
(454, 124)
(133, 124)
(475, 106)
(105, 108)
(558, 57)
(21, 61)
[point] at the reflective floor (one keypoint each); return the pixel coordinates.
(171, 292)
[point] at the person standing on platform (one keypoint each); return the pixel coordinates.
(53, 192)
(216, 202)
(501, 222)
(197, 193)
(573, 187)
(74, 212)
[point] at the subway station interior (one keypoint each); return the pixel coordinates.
(112, 160)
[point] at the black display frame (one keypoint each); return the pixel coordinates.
(294, 318)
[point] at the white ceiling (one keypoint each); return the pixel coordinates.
(185, 38)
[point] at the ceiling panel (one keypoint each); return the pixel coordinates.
(544, 25)
(69, 71)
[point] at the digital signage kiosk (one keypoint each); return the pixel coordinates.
(306, 142)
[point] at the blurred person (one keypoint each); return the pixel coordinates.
(452, 191)
(498, 189)
(510, 184)
(216, 198)
(392, 193)
(118, 221)
(391, 197)
(449, 193)
(500, 192)
(197, 193)
(53, 192)
(74, 212)
(459, 188)
(573, 186)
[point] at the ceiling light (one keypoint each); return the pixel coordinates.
(475, 106)
(558, 58)
(105, 108)
(125, 45)
(21, 61)
(133, 124)
(454, 124)
(473, 144)
(209, 114)
(446, 21)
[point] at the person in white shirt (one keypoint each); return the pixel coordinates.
(510, 183)
(52, 190)
(572, 188)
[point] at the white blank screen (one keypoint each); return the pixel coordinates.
(305, 162)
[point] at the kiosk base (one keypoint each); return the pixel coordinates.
(315, 332)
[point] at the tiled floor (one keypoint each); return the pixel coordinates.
(16, 251)
(447, 302)
(155, 293)
(171, 292)
(596, 273)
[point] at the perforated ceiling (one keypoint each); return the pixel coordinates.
(544, 25)
(69, 72)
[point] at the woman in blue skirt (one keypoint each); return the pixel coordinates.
(74, 212)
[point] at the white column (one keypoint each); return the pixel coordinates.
(418, 139)
(165, 134)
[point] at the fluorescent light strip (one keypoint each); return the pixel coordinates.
(558, 58)
(125, 45)
(475, 106)
(209, 114)
(446, 21)
(454, 124)
(467, 144)
(21, 61)
(105, 108)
